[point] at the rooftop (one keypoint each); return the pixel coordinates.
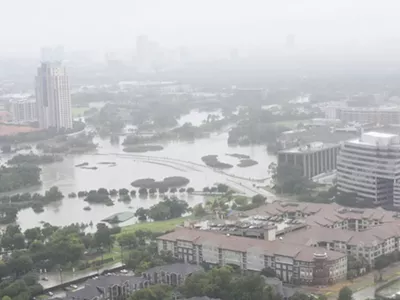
(180, 268)
(311, 147)
(299, 252)
(374, 138)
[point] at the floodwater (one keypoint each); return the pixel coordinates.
(127, 169)
(391, 290)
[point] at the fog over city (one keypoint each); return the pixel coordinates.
(199, 150)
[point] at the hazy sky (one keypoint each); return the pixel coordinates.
(26, 25)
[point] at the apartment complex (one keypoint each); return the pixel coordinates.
(332, 216)
(363, 115)
(370, 167)
(294, 263)
(368, 244)
(313, 159)
(53, 96)
(23, 110)
(174, 274)
(111, 287)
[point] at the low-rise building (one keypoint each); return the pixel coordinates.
(292, 263)
(174, 274)
(313, 159)
(362, 115)
(368, 244)
(325, 215)
(111, 287)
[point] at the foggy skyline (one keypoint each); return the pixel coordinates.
(105, 25)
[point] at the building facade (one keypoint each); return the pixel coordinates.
(53, 97)
(368, 244)
(23, 110)
(370, 167)
(313, 159)
(174, 274)
(365, 115)
(112, 287)
(292, 263)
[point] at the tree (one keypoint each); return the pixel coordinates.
(65, 245)
(33, 234)
(289, 179)
(258, 199)
(345, 293)
(53, 194)
(198, 210)
(123, 191)
(4, 270)
(21, 264)
(102, 237)
(141, 214)
(155, 292)
(190, 190)
(222, 188)
(103, 191)
(268, 272)
(143, 192)
(127, 240)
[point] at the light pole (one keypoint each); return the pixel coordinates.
(61, 279)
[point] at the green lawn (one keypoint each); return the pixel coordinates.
(78, 111)
(159, 226)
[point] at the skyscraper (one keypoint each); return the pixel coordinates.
(53, 97)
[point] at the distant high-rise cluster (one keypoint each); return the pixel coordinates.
(53, 96)
(23, 110)
(49, 54)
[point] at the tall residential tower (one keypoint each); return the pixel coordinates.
(53, 97)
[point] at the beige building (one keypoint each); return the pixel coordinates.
(332, 215)
(293, 263)
(368, 244)
(314, 158)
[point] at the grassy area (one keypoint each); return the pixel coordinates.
(159, 226)
(78, 111)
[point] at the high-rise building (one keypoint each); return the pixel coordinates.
(313, 159)
(53, 96)
(369, 166)
(23, 110)
(49, 54)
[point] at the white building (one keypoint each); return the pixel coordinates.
(53, 96)
(370, 167)
(23, 110)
